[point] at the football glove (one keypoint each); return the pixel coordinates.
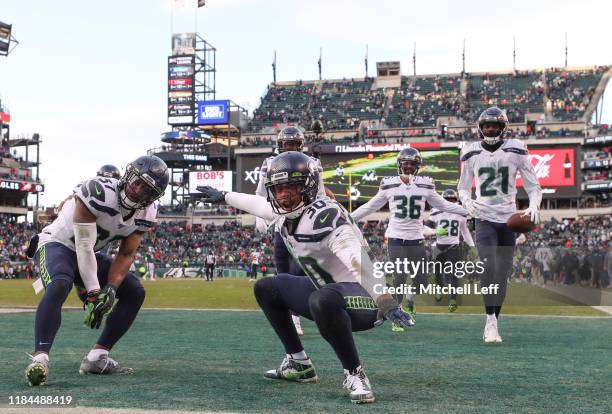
(211, 195)
(388, 308)
(534, 214)
(471, 207)
(441, 232)
(97, 304)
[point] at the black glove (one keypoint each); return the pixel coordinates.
(32, 247)
(212, 195)
(98, 304)
(388, 308)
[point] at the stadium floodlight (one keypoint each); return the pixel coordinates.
(6, 38)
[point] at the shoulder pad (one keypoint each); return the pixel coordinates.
(424, 182)
(99, 195)
(515, 145)
(434, 212)
(469, 154)
(323, 218)
(389, 182)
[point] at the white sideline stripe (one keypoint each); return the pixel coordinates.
(605, 309)
(81, 410)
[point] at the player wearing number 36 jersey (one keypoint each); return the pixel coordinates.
(406, 195)
(493, 164)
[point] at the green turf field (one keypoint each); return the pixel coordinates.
(237, 293)
(213, 360)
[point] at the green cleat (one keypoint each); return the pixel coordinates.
(396, 328)
(452, 305)
(37, 372)
(293, 370)
(409, 308)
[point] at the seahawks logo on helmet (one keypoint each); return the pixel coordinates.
(492, 117)
(290, 135)
(144, 181)
(293, 168)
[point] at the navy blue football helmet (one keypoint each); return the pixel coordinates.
(144, 182)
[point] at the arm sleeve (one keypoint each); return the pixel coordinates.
(344, 243)
(465, 233)
(530, 181)
(253, 204)
(261, 185)
(436, 201)
(85, 235)
(465, 182)
(375, 204)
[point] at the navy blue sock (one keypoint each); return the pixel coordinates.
(49, 314)
(130, 297)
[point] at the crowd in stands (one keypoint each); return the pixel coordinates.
(420, 101)
(573, 249)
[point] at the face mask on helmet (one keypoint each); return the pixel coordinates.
(288, 199)
(138, 190)
(290, 145)
(492, 132)
(408, 168)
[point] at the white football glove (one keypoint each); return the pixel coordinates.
(534, 214)
(260, 225)
(471, 207)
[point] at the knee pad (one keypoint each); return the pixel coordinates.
(265, 290)
(58, 290)
(325, 301)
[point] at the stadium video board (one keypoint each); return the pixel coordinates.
(22, 186)
(221, 180)
(213, 112)
(358, 175)
(557, 170)
(181, 88)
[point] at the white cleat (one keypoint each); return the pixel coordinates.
(358, 385)
(298, 324)
(491, 334)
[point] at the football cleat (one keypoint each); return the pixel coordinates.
(491, 335)
(452, 305)
(410, 308)
(298, 324)
(293, 370)
(358, 385)
(396, 328)
(103, 366)
(37, 372)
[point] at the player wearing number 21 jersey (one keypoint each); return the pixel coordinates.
(493, 164)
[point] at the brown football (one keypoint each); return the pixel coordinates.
(519, 223)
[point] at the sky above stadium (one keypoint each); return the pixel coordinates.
(91, 77)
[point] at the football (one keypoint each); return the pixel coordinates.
(519, 223)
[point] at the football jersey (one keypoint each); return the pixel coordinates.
(495, 177)
(455, 225)
(326, 243)
(255, 257)
(406, 205)
(100, 196)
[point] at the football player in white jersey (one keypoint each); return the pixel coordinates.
(406, 195)
(102, 210)
(448, 246)
(493, 164)
(289, 139)
(340, 294)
